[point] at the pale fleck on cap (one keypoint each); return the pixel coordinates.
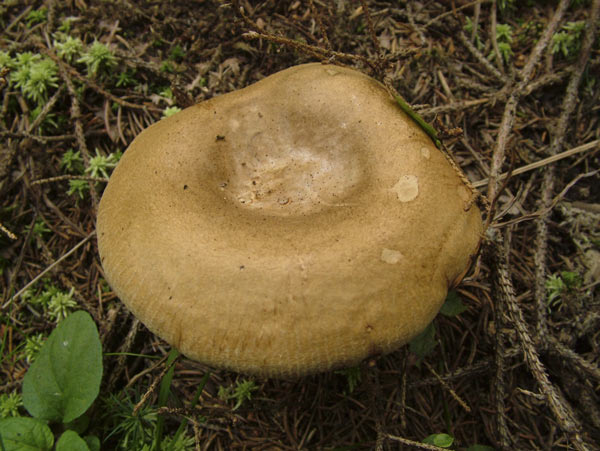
(297, 225)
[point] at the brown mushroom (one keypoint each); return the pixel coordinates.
(297, 225)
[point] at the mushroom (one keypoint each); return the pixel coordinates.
(297, 225)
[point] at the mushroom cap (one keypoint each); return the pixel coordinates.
(297, 225)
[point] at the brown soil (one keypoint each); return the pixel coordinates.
(509, 372)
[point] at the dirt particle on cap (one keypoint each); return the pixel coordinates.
(391, 256)
(407, 188)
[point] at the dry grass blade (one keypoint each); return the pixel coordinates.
(542, 163)
(48, 269)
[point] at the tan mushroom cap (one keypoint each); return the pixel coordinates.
(297, 225)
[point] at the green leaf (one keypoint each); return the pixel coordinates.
(71, 441)
(92, 442)
(441, 440)
(423, 343)
(25, 434)
(64, 380)
(453, 305)
(163, 395)
(183, 424)
(79, 424)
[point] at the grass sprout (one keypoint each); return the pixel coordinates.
(100, 164)
(37, 16)
(67, 47)
(568, 41)
(33, 344)
(9, 404)
(170, 111)
(241, 392)
(98, 59)
(71, 161)
(78, 188)
(61, 304)
(34, 75)
(558, 286)
(131, 431)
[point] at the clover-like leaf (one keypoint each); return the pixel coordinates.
(64, 380)
(423, 343)
(71, 441)
(25, 434)
(453, 305)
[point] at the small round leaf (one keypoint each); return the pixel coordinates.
(71, 441)
(440, 440)
(25, 434)
(64, 380)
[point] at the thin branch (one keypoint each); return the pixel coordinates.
(48, 268)
(447, 387)
(7, 232)
(322, 29)
(476, 3)
(61, 178)
(571, 95)
(371, 28)
(553, 203)
(563, 412)
(152, 387)
(585, 366)
(414, 444)
(538, 164)
(510, 109)
(481, 58)
(493, 25)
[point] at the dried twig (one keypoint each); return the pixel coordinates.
(152, 387)
(315, 51)
(7, 232)
(546, 203)
(499, 380)
(553, 203)
(450, 390)
(539, 256)
(48, 268)
(414, 444)
(585, 366)
(511, 105)
(538, 164)
(453, 11)
(60, 178)
(322, 29)
(71, 71)
(493, 25)
(483, 366)
(120, 363)
(46, 109)
(374, 39)
(481, 58)
(78, 126)
(556, 401)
